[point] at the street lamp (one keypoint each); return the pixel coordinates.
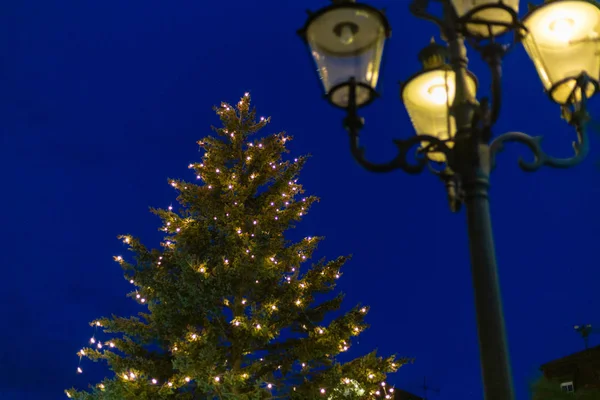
(454, 129)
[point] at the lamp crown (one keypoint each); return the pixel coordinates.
(433, 56)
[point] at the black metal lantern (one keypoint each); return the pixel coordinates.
(346, 41)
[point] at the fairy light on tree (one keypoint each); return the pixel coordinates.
(219, 293)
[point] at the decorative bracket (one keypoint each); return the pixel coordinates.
(541, 158)
(575, 112)
(401, 161)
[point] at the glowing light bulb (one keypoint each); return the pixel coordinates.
(132, 375)
(562, 28)
(79, 370)
(269, 386)
(111, 344)
(170, 384)
(437, 94)
(92, 340)
(322, 391)
(154, 381)
(99, 345)
(217, 379)
(258, 326)
(187, 378)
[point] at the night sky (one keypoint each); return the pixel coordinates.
(102, 101)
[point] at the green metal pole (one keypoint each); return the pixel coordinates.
(472, 162)
(493, 347)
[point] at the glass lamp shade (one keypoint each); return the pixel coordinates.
(427, 98)
(489, 11)
(346, 41)
(563, 40)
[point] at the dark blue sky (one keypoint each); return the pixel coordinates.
(102, 101)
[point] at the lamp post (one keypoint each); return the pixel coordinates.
(453, 129)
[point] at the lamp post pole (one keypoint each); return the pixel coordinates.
(454, 137)
(474, 168)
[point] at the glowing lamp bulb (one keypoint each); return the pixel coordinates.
(437, 94)
(562, 28)
(154, 381)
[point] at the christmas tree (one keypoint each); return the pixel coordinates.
(233, 309)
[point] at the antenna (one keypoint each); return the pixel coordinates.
(584, 331)
(427, 388)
